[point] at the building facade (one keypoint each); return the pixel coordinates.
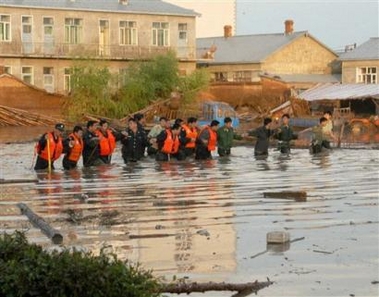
(245, 58)
(361, 64)
(39, 39)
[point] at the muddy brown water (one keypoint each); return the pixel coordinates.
(207, 220)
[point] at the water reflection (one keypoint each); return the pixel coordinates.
(206, 219)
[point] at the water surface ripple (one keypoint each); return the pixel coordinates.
(208, 220)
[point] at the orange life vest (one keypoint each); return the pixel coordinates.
(76, 150)
(107, 143)
(170, 145)
(56, 148)
(212, 141)
(190, 133)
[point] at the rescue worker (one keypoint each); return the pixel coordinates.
(225, 136)
(154, 132)
(107, 141)
(285, 134)
(206, 141)
(91, 150)
(263, 134)
(49, 148)
(169, 144)
(73, 148)
(188, 135)
(141, 122)
(319, 137)
(328, 130)
(133, 143)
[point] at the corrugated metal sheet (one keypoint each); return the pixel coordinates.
(341, 92)
(366, 51)
(132, 6)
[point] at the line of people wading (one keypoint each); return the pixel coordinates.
(180, 141)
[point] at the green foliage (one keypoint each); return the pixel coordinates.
(96, 91)
(27, 270)
(147, 81)
(190, 85)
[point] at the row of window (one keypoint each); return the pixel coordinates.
(27, 75)
(73, 30)
(365, 75)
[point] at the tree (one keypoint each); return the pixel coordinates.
(96, 91)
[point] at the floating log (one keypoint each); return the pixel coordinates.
(39, 222)
(180, 288)
(299, 196)
(18, 181)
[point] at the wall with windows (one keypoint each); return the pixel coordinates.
(366, 72)
(36, 45)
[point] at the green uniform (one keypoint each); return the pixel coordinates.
(225, 138)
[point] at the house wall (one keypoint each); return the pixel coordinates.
(16, 94)
(302, 56)
(349, 70)
(232, 70)
(58, 54)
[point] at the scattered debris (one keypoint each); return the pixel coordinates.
(18, 117)
(323, 252)
(299, 196)
(203, 232)
(277, 237)
(18, 181)
(244, 288)
(39, 222)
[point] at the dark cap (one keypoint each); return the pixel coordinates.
(138, 116)
(60, 127)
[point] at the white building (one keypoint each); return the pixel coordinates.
(215, 14)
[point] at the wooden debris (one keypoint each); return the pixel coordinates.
(277, 237)
(18, 181)
(182, 287)
(18, 117)
(299, 196)
(39, 222)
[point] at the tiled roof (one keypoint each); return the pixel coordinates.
(341, 92)
(366, 51)
(245, 49)
(132, 6)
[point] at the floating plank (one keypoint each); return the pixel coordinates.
(39, 222)
(299, 196)
(18, 181)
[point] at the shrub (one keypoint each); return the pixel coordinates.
(27, 270)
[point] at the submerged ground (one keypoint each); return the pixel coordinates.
(209, 220)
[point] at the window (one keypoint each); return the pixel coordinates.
(182, 28)
(73, 30)
(221, 76)
(160, 34)
(8, 69)
(242, 76)
(67, 80)
(367, 75)
(26, 24)
(5, 27)
(128, 33)
(48, 79)
(48, 24)
(27, 74)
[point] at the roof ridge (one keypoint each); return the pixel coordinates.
(261, 34)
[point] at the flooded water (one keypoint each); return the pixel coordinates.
(209, 220)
